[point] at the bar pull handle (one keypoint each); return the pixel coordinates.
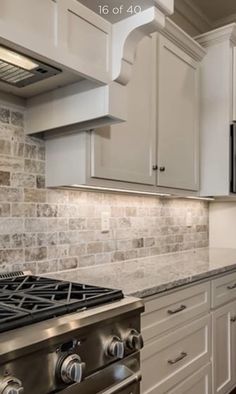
(231, 287)
(174, 311)
(177, 359)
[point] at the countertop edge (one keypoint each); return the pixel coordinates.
(160, 289)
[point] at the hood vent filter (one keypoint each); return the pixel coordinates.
(20, 70)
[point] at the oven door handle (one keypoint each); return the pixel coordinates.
(136, 378)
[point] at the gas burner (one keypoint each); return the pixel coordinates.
(28, 299)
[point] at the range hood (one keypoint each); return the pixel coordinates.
(80, 106)
(47, 46)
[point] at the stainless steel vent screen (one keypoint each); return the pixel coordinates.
(20, 70)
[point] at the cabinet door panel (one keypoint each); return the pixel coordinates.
(24, 17)
(224, 331)
(126, 151)
(178, 129)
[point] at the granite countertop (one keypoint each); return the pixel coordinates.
(152, 275)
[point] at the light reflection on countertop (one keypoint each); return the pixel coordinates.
(151, 275)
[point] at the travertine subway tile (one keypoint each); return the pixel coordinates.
(45, 230)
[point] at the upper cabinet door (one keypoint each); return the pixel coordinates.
(177, 117)
(126, 151)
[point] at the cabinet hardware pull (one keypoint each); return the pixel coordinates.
(233, 319)
(155, 167)
(162, 169)
(231, 287)
(177, 359)
(180, 309)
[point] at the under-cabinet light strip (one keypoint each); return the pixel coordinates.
(201, 198)
(110, 189)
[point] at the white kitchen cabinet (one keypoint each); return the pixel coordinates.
(224, 353)
(177, 335)
(195, 327)
(177, 117)
(217, 109)
(159, 145)
(156, 150)
(162, 130)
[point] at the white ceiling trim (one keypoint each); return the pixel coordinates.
(220, 34)
(183, 41)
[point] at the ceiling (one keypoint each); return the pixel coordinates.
(199, 16)
(217, 10)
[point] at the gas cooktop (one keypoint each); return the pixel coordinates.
(26, 299)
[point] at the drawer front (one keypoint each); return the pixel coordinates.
(173, 357)
(223, 290)
(166, 312)
(198, 383)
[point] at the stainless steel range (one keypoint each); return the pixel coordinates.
(70, 338)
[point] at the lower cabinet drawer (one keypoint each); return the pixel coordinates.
(163, 313)
(170, 359)
(223, 290)
(199, 382)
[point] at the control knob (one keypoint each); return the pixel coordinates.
(72, 369)
(134, 340)
(11, 386)
(115, 348)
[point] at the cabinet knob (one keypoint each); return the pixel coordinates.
(162, 169)
(155, 167)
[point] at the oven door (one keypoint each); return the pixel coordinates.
(118, 378)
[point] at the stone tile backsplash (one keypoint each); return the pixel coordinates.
(45, 230)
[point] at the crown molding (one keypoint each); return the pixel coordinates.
(166, 6)
(218, 35)
(178, 36)
(193, 15)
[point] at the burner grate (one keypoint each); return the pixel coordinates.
(22, 283)
(30, 299)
